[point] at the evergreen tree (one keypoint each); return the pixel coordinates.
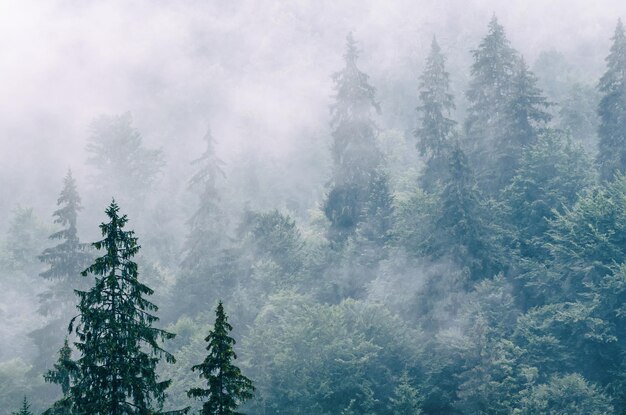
(463, 235)
(125, 166)
(378, 211)
(119, 349)
(406, 399)
(207, 223)
(25, 409)
(227, 387)
(525, 119)
(62, 374)
(612, 109)
(65, 260)
(354, 150)
(550, 175)
(489, 94)
(436, 130)
(206, 230)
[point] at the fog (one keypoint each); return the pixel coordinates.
(259, 72)
(259, 76)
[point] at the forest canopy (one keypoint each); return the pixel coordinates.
(450, 238)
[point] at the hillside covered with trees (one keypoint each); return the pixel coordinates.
(453, 242)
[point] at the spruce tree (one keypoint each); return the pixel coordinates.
(378, 211)
(25, 409)
(526, 118)
(206, 231)
(612, 109)
(460, 220)
(227, 386)
(406, 399)
(119, 349)
(62, 374)
(489, 93)
(354, 150)
(65, 262)
(436, 130)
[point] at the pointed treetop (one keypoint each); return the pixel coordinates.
(25, 409)
(434, 45)
(352, 52)
(619, 37)
(494, 24)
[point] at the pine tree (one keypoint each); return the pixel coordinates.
(119, 349)
(354, 150)
(612, 109)
(65, 260)
(25, 409)
(526, 118)
(489, 93)
(436, 130)
(227, 387)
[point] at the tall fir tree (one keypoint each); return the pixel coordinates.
(612, 109)
(63, 372)
(118, 345)
(227, 386)
(207, 230)
(436, 129)
(65, 262)
(378, 211)
(463, 236)
(25, 409)
(493, 71)
(526, 118)
(354, 150)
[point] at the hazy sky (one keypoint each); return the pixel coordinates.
(259, 71)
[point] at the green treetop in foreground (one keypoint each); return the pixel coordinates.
(119, 349)
(227, 387)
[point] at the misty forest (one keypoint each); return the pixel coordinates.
(312, 208)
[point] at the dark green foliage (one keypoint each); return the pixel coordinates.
(117, 345)
(612, 111)
(63, 374)
(584, 242)
(68, 258)
(436, 129)
(65, 260)
(354, 150)
(227, 387)
(25, 409)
